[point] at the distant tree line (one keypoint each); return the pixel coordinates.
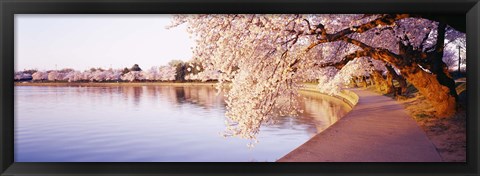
(176, 70)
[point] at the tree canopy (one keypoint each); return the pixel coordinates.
(265, 57)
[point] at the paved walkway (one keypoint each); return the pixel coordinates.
(378, 129)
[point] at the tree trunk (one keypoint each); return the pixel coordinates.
(358, 81)
(389, 80)
(437, 66)
(353, 82)
(440, 69)
(380, 83)
(363, 81)
(429, 86)
(437, 86)
(401, 80)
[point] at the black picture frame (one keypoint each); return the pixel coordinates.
(469, 8)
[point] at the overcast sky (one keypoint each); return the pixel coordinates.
(83, 41)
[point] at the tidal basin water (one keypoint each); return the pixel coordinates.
(151, 124)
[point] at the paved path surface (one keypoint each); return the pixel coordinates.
(378, 129)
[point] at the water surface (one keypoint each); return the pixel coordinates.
(150, 124)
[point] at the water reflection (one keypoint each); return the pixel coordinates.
(205, 97)
(321, 110)
(329, 114)
(151, 123)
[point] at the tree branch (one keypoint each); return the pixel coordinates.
(345, 60)
(357, 43)
(384, 20)
(424, 40)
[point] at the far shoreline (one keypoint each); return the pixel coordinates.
(93, 84)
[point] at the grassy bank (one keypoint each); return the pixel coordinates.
(447, 134)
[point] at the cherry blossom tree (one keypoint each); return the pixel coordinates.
(99, 76)
(167, 73)
(265, 57)
(54, 75)
(73, 76)
(152, 74)
(113, 75)
(39, 76)
(134, 76)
